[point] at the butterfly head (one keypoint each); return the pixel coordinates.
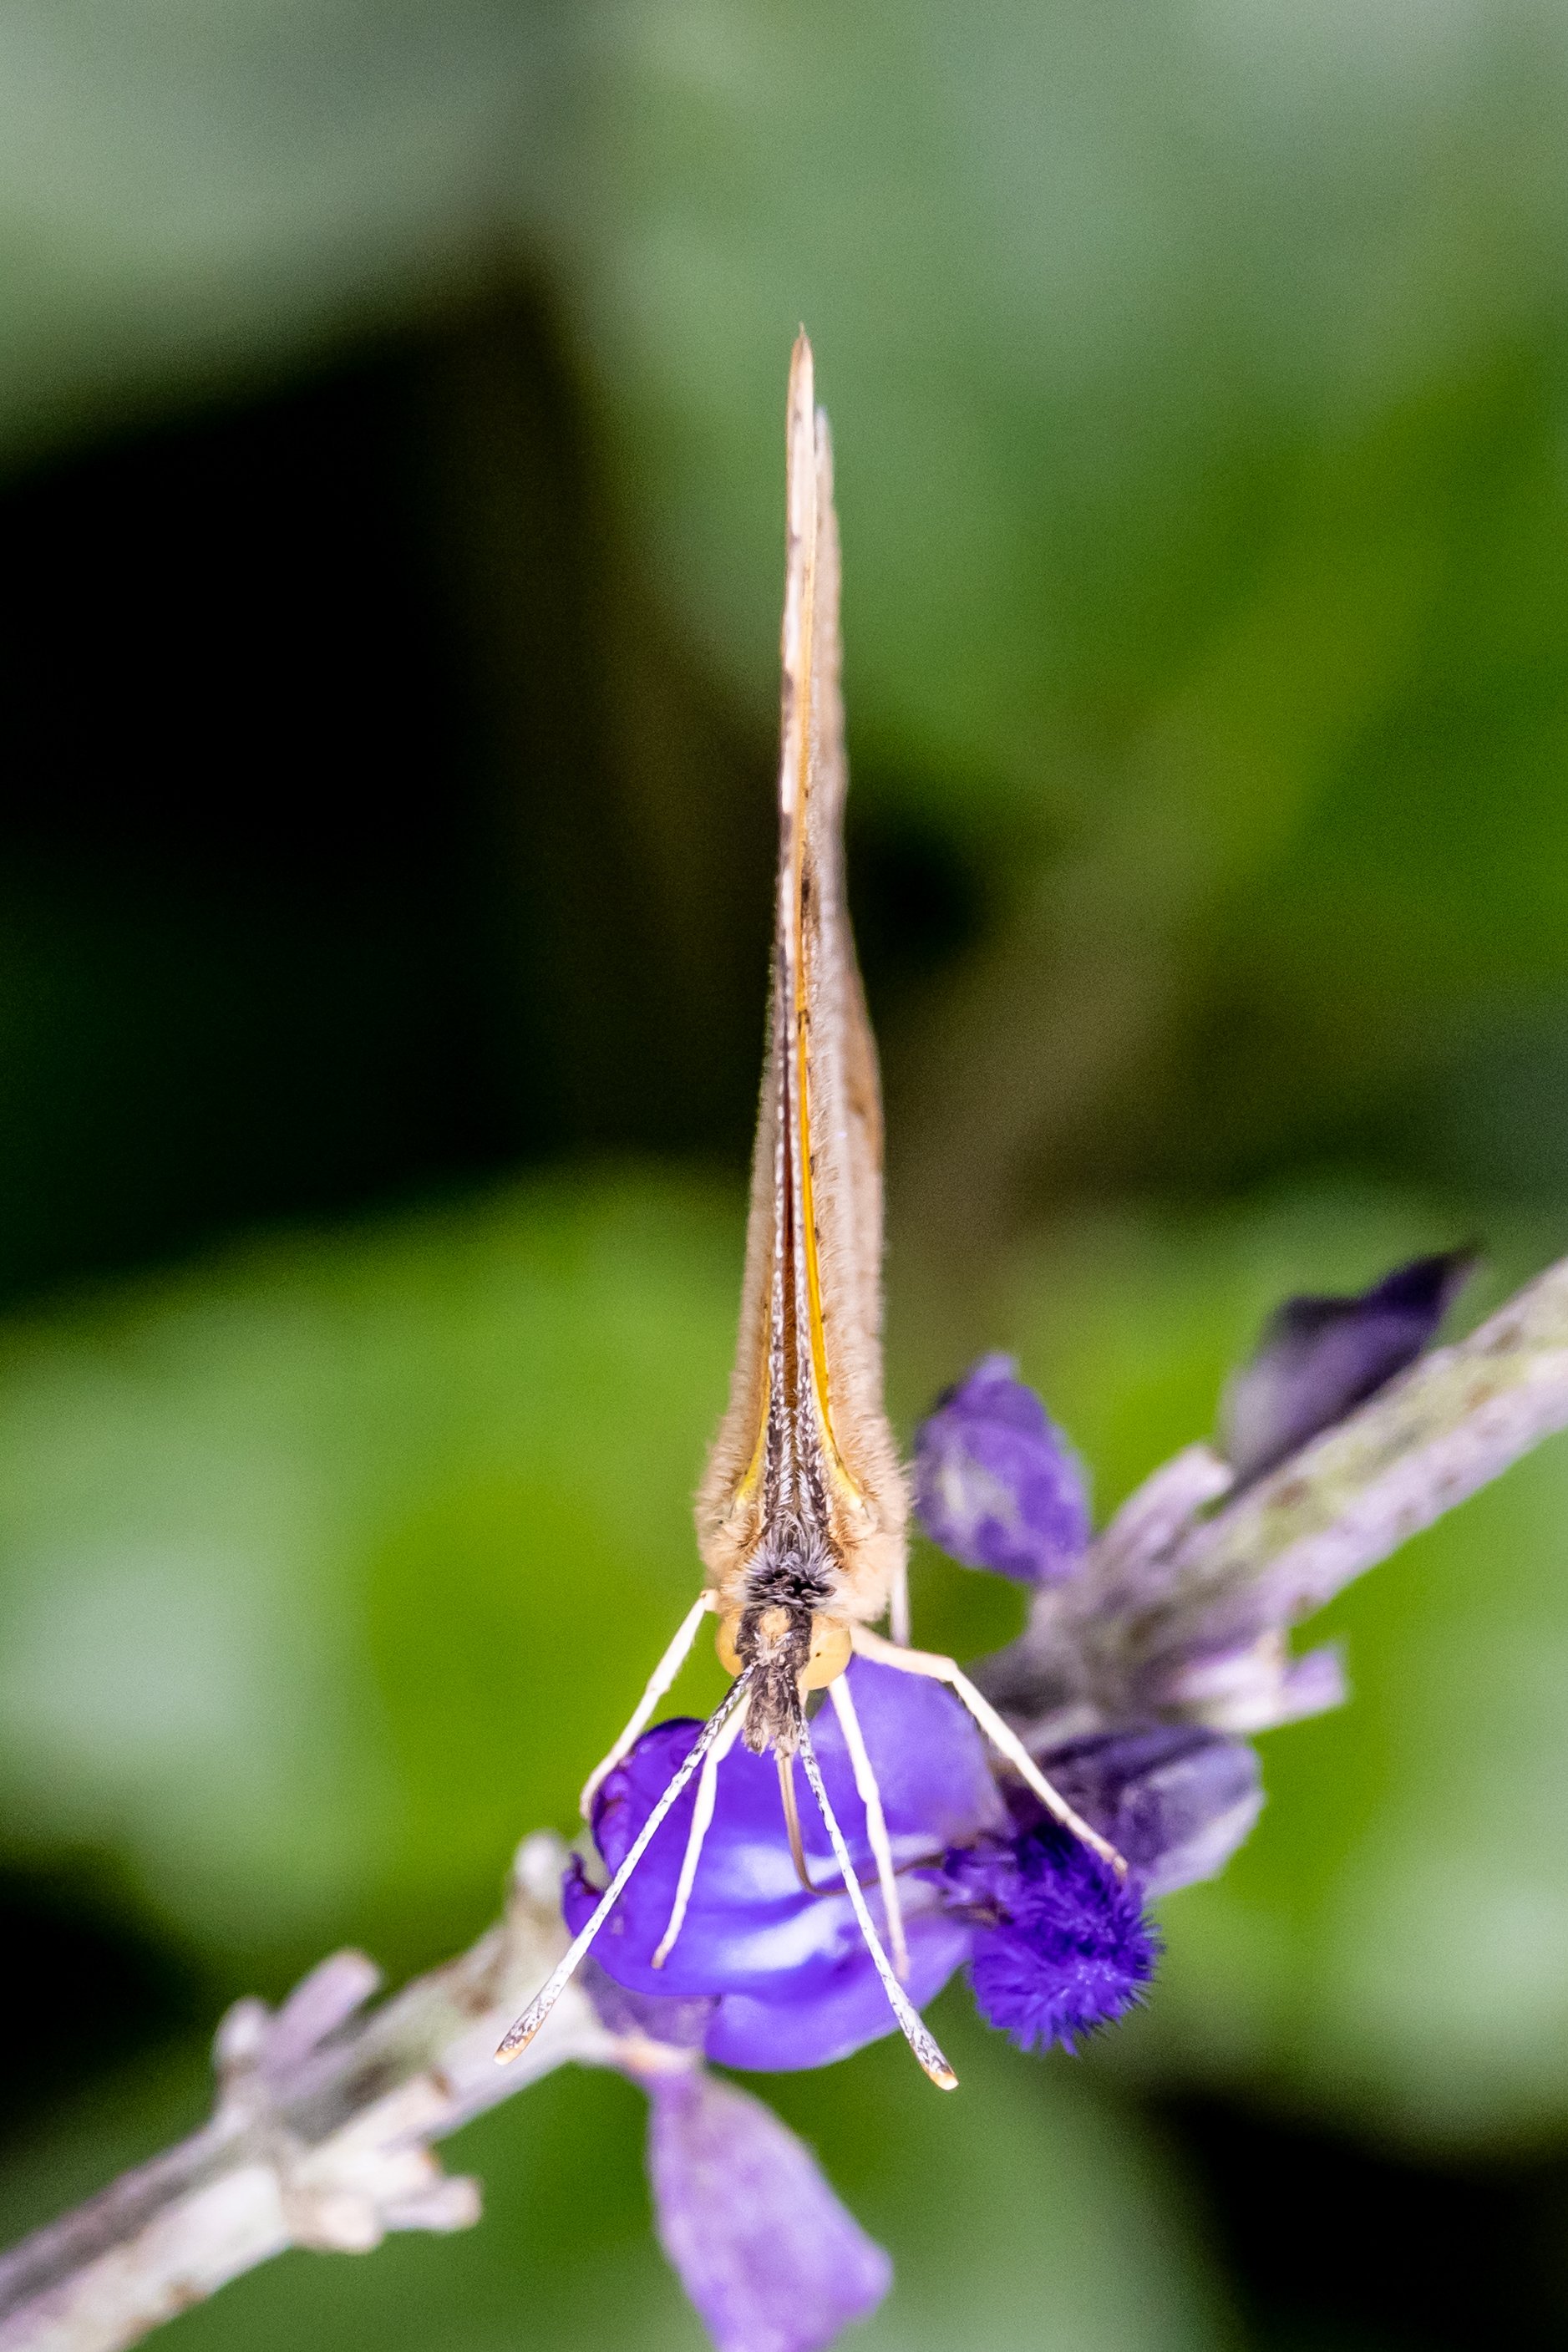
(785, 1629)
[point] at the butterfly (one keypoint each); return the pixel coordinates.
(802, 1511)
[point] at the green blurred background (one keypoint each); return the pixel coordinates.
(390, 407)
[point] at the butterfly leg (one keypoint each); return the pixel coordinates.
(898, 1607)
(519, 2035)
(914, 2032)
(659, 1681)
(702, 1818)
(876, 1821)
(1005, 1741)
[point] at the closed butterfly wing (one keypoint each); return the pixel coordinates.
(805, 1433)
(800, 1514)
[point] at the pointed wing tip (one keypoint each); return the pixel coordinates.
(802, 380)
(808, 436)
(800, 443)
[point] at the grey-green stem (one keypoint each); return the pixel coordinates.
(1182, 1569)
(319, 2137)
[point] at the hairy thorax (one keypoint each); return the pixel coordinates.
(782, 1617)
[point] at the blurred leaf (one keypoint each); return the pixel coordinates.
(1025, 2210)
(1025, 2215)
(1198, 381)
(328, 1568)
(185, 187)
(1085, 293)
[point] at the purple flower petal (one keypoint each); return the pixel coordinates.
(681, 2023)
(798, 1986)
(1175, 1800)
(1062, 1944)
(763, 2247)
(832, 2019)
(1253, 1687)
(1313, 1684)
(1320, 1357)
(996, 1483)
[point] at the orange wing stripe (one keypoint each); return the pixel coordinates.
(800, 1130)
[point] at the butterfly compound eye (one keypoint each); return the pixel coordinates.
(829, 1654)
(825, 1659)
(725, 1640)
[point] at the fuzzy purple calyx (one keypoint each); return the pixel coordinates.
(1061, 1945)
(996, 1483)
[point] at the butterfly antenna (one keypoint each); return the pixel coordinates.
(914, 2032)
(519, 2035)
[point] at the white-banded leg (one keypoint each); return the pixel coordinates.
(519, 2035)
(898, 1606)
(701, 1817)
(1004, 1740)
(659, 1681)
(875, 1820)
(920, 2041)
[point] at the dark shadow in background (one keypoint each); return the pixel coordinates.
(364, 830)
(243, 977)
(366, 835)
(1330, 2243)
(322, 881)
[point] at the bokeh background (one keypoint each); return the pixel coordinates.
(391, 406)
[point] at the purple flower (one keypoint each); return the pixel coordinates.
(1061, 1945)
(996, 1483)
(1129, 1686)
(1320, 1357)
(790, 1978)
(763, 2247)
(794, 1984)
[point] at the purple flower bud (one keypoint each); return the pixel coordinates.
(996, 1483)
(1320, 1357)
(763, 2247)
(1062, 1944)
(1177, 1801)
